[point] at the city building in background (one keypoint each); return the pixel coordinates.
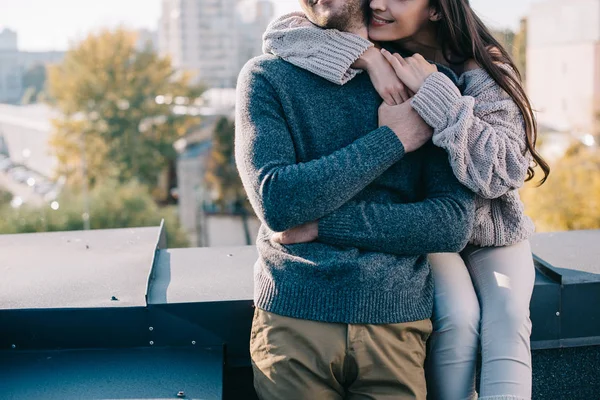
(563, 65)
(213, 38)
(147, 38)
(14, 64)
(10, 72)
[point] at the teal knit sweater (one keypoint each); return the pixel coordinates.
(308, 149)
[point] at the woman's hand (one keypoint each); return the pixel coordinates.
(412, 71)
(301, 234)
(383, 77)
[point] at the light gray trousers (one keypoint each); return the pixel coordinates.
(482, 297)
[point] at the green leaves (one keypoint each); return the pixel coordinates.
(106, 90)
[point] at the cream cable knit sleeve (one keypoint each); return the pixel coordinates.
(327, 53)
(482, 130)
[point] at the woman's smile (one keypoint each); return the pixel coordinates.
(377, 21)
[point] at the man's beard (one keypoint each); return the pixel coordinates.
(352, 15)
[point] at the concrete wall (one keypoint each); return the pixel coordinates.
(563, 63)
(228, 230)
(562, 82)
(26, 131)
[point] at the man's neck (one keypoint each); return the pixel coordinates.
(360, 30)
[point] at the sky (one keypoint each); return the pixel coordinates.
(52, 24)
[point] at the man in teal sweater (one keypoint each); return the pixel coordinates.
(346, 314)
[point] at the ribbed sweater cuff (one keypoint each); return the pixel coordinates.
(334, 228)
(384, 142)
(340, 50)
(435, 99)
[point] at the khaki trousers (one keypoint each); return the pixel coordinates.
(301, 359)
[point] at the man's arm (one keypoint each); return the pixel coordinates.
(441, 223)
(283, 192)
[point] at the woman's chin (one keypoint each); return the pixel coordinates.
(378, 35)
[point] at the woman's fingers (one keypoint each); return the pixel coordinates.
(400, 59)
(390, 100)
(394, 62)
(403, 91)
(397, 98)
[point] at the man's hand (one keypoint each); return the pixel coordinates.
(301, 234)
(412, 71)
(410, 128)
(388, 85)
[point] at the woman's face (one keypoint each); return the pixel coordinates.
(393, 20)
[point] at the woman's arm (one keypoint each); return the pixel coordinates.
(332, 55)
(482, 130)
(327, 53)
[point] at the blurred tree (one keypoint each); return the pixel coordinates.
(5, 197)
(520, 49)
(29, 96)
(570, 199)
(122, 108)
(34, 82)
(112, 205)
(222, 177)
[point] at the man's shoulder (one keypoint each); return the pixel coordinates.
(266, 65)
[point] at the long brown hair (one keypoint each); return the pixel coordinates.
(463, 35)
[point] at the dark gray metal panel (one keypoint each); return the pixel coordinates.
(152, 373)
(81, 269)
(51, 329)
(581, 312)
(203, 275)
(574, 255)
(545, 303)
(229, 321)
(573, 259)
(170, 329)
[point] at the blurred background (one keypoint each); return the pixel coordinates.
(120, 113)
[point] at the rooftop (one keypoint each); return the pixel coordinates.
(99, 314)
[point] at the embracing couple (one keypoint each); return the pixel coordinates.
(381, 143)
